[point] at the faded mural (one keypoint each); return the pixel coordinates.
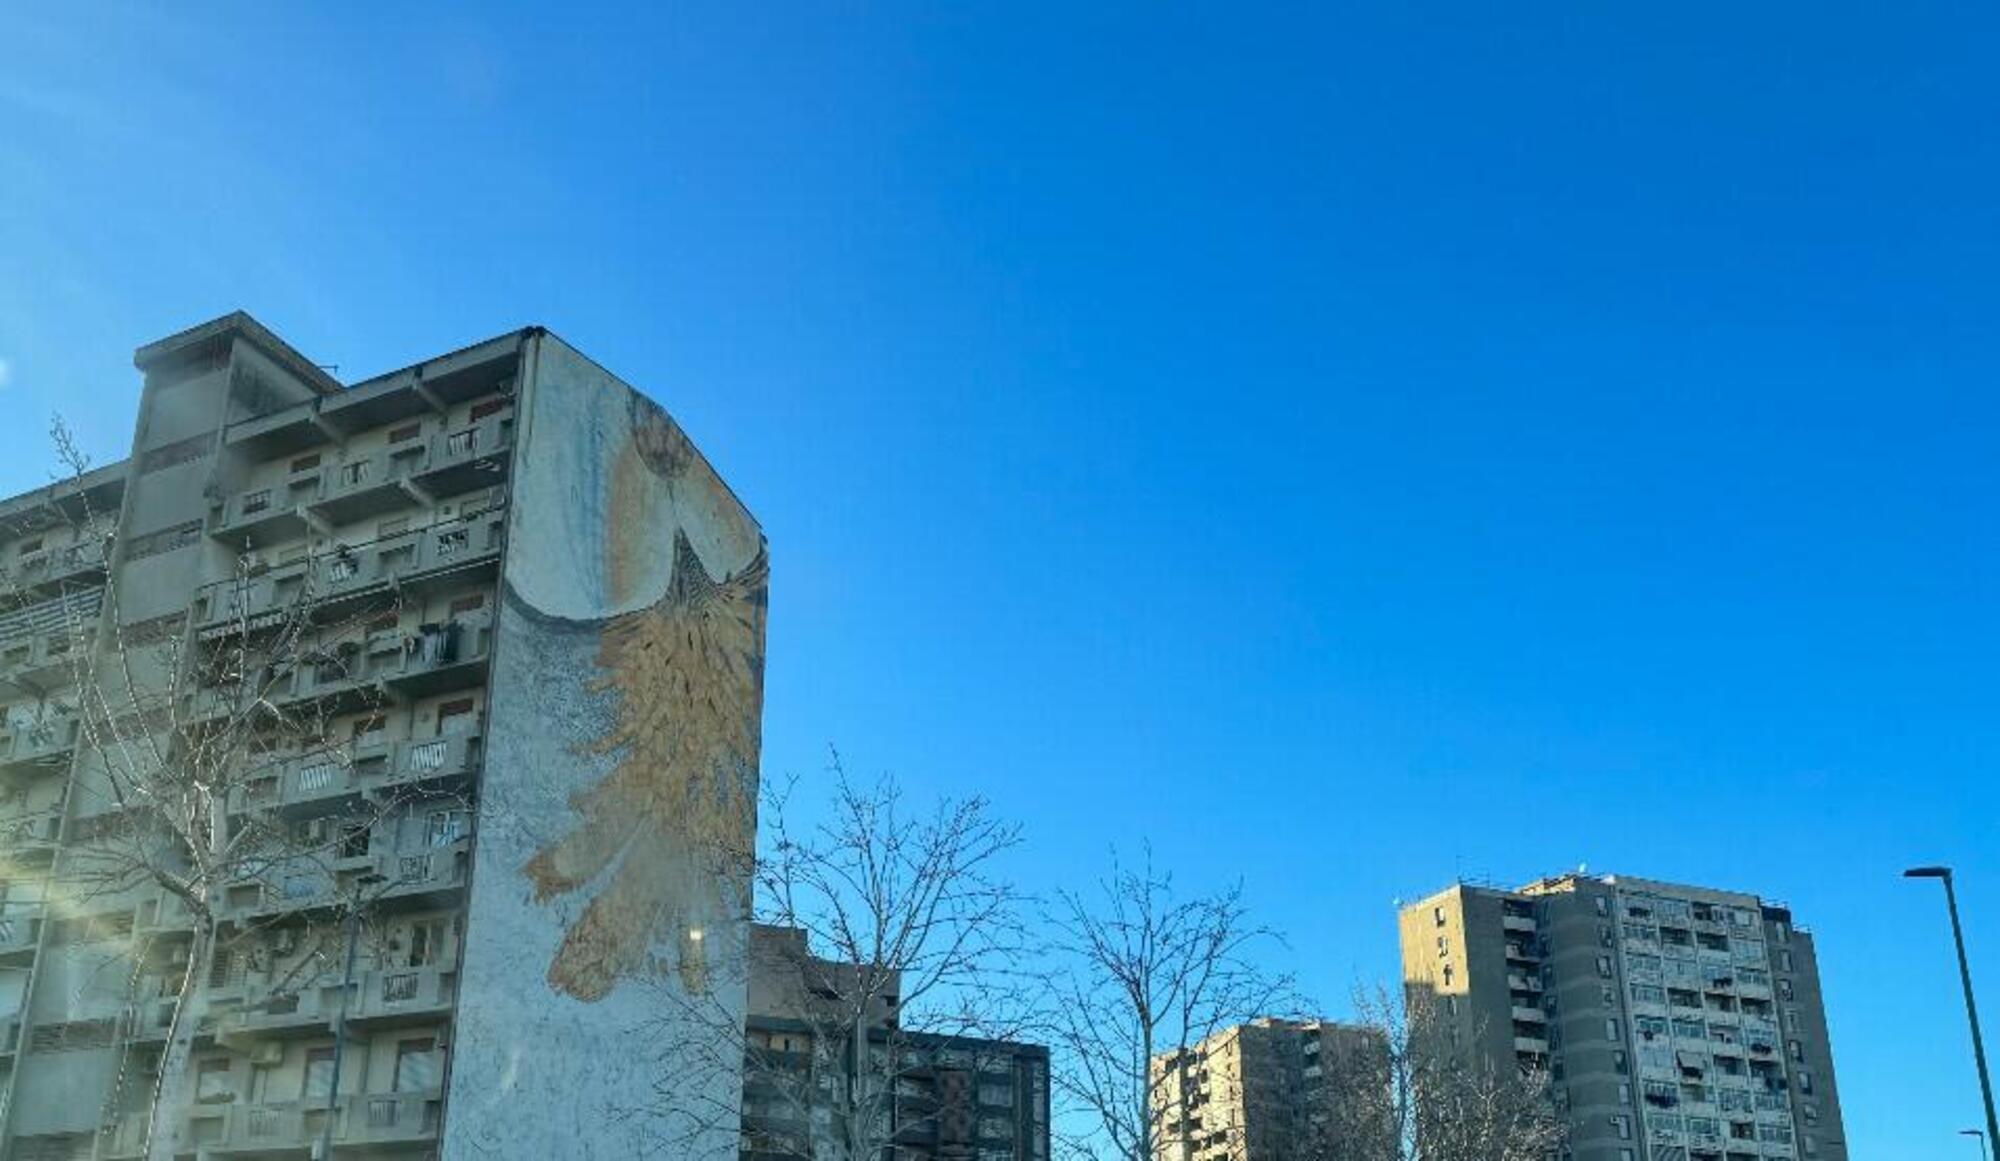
(618, 803)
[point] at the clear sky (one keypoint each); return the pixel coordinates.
(1351, 446)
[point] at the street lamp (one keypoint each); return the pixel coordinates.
(1982, 1140)
(1943, 874)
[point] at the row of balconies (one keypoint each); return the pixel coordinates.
(288, 1128)
(378, 996)
(366, 768)
(387, 665)
(446, 553)
(390, 878)
(419, 472)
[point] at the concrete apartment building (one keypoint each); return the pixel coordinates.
(954, 1096)
(1260, 1091)
(1675, 1023)
(514, 531)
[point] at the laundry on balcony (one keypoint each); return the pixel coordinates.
(433, 644)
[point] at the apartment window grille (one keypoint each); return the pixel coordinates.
(452, 543)
(427, 757)
(399, 989)
(178, 452)
(255, 502)
(460, 443)
(355, 473)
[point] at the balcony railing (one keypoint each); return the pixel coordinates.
(49, 744)
(25, 834)
(405, 559)
(368, 766)
(399, 992)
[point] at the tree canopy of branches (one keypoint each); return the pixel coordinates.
(1424, 1098)
(885, 928)
(1146, 973)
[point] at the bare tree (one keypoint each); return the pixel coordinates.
(888, 935)
(1149, 975)
(185, 726)
(1422, 1097)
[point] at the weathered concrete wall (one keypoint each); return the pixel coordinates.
(620, 784)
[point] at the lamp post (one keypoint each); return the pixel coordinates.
(1943, 874)
(1982, 1140)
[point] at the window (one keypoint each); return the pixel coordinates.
(1437, 916)
(467, 604)
(444, 827)
(305, 463)
(416, 1065)
(1648, 994)
(212, 1080)
(452, 543)
(255, 502)
(407, 433)
(1611, 1030)
(457, 718)
(460, 443)
(426, 943)
(1604, 966)
(318, 1082)
(1623, 1124)
(490, 407)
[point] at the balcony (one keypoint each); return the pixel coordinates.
(392, 880)
(386, 999)
(361, 675)
(1529, 1015)
(1524, 982)
(413, 563)
(42, 662)
(268, 515)
(476, 456)
(309, 1011)
(30, 838)
(369, 486)
(1534, 1045)
(1523, 924)
(312, 780)
(46, 572)
(40, 748)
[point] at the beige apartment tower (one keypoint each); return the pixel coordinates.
(1673, 1023)
(364, 753)
(1261, 1091)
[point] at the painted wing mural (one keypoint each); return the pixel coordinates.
(678, 809)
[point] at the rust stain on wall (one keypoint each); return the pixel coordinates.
(676, 816)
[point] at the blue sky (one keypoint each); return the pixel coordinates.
(1350, 448)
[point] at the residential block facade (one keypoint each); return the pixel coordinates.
(1674, 1023)
(1261, 1091)
(954, 1097)
(489, 529)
